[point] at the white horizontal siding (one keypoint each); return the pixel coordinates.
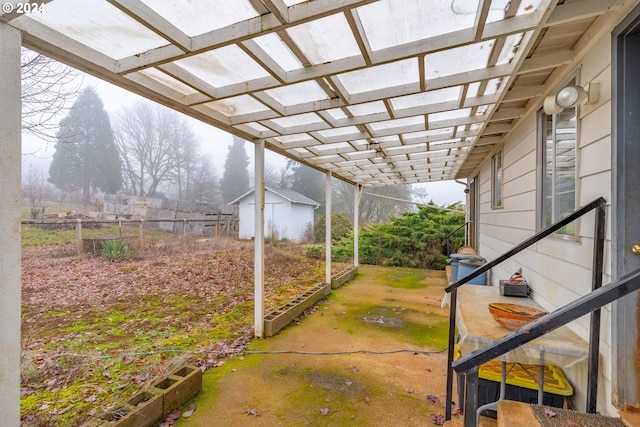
(558, 270)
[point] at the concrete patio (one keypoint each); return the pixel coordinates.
(370, 355)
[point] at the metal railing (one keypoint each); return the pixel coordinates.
(590, 303)
(466, 226)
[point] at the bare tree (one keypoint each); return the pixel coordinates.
(376, 209)
(204, 184)
(48, 86)
(157, 147)
(35, 189)
(185, 156)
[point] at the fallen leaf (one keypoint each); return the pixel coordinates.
(65, 410)
(175, 414)
(189, 411)
(432, 398)
(437, 419)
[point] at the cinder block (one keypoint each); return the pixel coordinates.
(119, 417)
(192, 382)
(146, 408)
(281, 317)
(177, 388)
(344, 276)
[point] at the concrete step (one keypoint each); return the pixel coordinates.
(630, 417)
(519, 414)
(459, 422)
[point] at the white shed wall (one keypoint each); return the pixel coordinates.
(282, 219)
(558, 270)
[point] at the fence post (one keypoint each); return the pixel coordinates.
(79, 235)
(184, 228)
(141, 233)
(120, 229)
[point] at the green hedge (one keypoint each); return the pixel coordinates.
(415, 239)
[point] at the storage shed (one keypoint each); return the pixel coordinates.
(287, 214)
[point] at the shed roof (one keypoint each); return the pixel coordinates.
(379, 92)
(290, 195)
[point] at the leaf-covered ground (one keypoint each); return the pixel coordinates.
(95, 332)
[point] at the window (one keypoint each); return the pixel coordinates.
(558, 151)
(496, 180)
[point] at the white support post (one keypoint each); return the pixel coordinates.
(259, 240)
(10, 200)
(357, 195)
(327, 191)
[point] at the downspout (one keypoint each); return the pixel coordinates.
(468, 240)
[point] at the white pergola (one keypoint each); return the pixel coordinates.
(373, 92)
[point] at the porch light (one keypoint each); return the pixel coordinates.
(571, 96)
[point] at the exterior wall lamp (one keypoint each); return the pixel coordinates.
(571, 96)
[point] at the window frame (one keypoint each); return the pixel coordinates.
(497, 180)
(543, 181)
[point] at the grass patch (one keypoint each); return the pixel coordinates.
(432, 330)
(406, 278)
(33, 236)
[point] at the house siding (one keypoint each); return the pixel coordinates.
(558, 270)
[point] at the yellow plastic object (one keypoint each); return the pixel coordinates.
(526, 376)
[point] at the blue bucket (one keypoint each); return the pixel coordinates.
(454, 261)
(466, 266)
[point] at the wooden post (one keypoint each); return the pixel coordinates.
(141, 232)
(79, 235)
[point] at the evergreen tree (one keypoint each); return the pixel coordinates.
(309, 182)
(86, 157)
(235, 179)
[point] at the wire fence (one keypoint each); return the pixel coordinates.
(89, 232)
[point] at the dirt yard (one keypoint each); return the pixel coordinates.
(95, 331)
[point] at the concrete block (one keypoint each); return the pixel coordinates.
(343, 277)
(278, 319)
(146, 408)
(177, 388)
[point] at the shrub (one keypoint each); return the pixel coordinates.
(340, 227)
(115, 250)
(419, 239)
(316, 251)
